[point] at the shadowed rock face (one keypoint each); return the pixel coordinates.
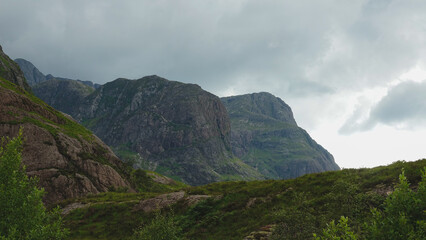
(177, 129)
(10, 71)
(31, 73)
(68, 159)
(266, 136)
(62, 94)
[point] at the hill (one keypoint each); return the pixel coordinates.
(265, 135)
(295, 208)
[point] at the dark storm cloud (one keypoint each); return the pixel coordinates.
(213, 43)
(293, 48)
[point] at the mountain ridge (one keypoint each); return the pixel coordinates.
(266, 136)
(113, 111)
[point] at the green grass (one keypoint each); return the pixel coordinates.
(64, 124)
(227, 214)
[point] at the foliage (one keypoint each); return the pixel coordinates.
(235, 209)
(403, 217)
(339, 231)
(22, 213)
(404, 213)
(160, 228)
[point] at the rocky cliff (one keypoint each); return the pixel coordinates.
(31, 73)
(10, 71)
(176, 129)
(67, 158)
(266, 137)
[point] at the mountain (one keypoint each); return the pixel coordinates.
(173, 128)
(62, 94)
(11, 72)
(31, 73)
(265, 136)
(66, 157)
(163, 125)
(34, 76)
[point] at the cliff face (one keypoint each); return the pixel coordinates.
(31, 73)
(67, 158)
(176, 129)
(266, 137)
(10, 71)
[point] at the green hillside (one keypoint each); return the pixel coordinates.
(233, 210)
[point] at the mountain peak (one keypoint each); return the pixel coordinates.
(31, 73)
(262, 103)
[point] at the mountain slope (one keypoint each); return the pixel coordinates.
(266, 136)
(31, 73)
(62, 94)
(10, 71)
(176, 129)
(234, 210)
(67, 158)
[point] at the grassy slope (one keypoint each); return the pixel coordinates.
(228, 215)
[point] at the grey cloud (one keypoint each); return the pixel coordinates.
(296, 48)
(403, 107)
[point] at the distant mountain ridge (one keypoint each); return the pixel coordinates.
(34, 76)
(266, 137)
(185, 132)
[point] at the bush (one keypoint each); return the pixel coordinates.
(403, 217)
(404, 213)
(341, 231)
(22, 213)
(160, 228)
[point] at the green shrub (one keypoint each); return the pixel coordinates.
(339, 231)
(404, 213)
(22, 213)
(160, 228)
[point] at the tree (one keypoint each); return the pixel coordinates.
(403, 217)
(339, 231)
(404, 213)
(22, 213)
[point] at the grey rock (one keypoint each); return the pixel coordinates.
(31, 73)
(266, 137)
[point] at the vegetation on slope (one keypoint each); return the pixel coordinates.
(298, 207)
(23, 215)
(265, 135)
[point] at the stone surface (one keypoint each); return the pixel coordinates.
(174, 128)
(31, 73)
(159, 202)
(67, 158)
(10, 71)
(266, 137)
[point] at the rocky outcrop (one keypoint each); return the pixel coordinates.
(266, 136)
(11, 72)
(67, 158)
(168, 199)
(177, 129)
(31, 73)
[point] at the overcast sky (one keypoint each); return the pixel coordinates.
(353, 71)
